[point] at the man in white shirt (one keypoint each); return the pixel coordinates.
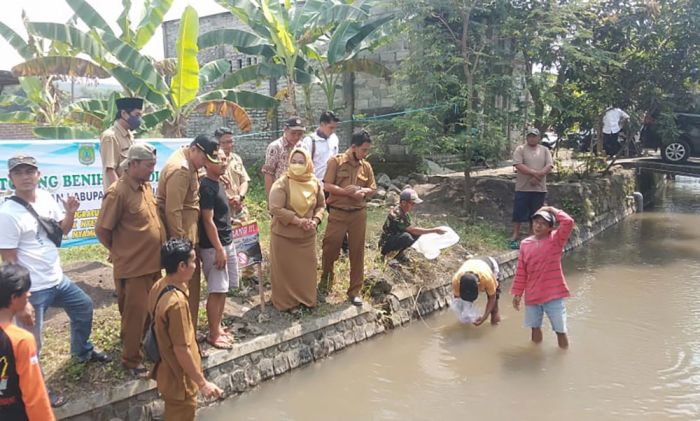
(323, 143)
(24, 240)
(613, 120)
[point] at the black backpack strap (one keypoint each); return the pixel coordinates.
(162, 293)
(26, 206)
(31, 210)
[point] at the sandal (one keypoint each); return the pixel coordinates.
(220, 343)
(56, 400)
(140, 372)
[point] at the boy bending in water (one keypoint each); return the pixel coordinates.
(478, 274)
(539, 275)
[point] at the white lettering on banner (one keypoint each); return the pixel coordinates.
(74, 167)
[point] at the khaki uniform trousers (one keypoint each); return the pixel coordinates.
(132, 300)
(194, 287)
(340, 222)
(180, 410)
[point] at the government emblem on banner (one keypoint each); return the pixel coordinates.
(86, 154)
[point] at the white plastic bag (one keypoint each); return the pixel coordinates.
(466, 312)
(429, 245)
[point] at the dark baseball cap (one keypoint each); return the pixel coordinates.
(209, 146)
(294, 123)
(547, 216)
(18, 160)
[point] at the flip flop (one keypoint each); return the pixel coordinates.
(138, 372)
(56, 400)
(221, 343)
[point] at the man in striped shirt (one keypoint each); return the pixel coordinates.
(539, 274)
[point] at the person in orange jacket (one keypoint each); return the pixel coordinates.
(23, 396)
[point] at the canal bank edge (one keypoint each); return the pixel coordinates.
(253, 362)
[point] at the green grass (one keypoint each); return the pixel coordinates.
(89, 253)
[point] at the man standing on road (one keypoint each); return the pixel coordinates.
(24, 239)
(178, 200)
(613, 120)
(178, 374)
(129, 227)
(532, 162)
(277, 153)
(115, 141)
(323, 143)
(349, 180)
(236, 178)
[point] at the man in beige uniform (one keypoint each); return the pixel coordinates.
(178, 199)
(532, 162)
(349, 180)
(115, 141)
(236, 177)
(178, 374)
(129, 227)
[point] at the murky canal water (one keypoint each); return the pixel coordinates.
(634, 323)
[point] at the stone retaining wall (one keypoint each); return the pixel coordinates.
(268, 356)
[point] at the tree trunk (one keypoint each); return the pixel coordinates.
(176, 128)
(290, 102)
(349, 109)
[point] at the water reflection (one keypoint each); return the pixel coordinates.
(635, 353)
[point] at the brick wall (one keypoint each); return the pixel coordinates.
(16, 131)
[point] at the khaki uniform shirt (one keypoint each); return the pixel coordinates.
(178, 197)
(129, 210)
(173, 326)
(114, 144)
(534, 158)
(235, 175)
(343, 170)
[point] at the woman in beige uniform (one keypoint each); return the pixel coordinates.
(297, 206)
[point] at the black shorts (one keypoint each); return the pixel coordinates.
(526, 203)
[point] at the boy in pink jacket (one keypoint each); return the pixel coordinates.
(539, 274)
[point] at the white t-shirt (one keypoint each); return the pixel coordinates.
(20, 230)
(325, 149)
(611, 120)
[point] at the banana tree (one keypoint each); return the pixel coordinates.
(280, 31)
(183, 98)
(44, 63)
(171, 100)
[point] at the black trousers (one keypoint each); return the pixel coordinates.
(399, 242)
